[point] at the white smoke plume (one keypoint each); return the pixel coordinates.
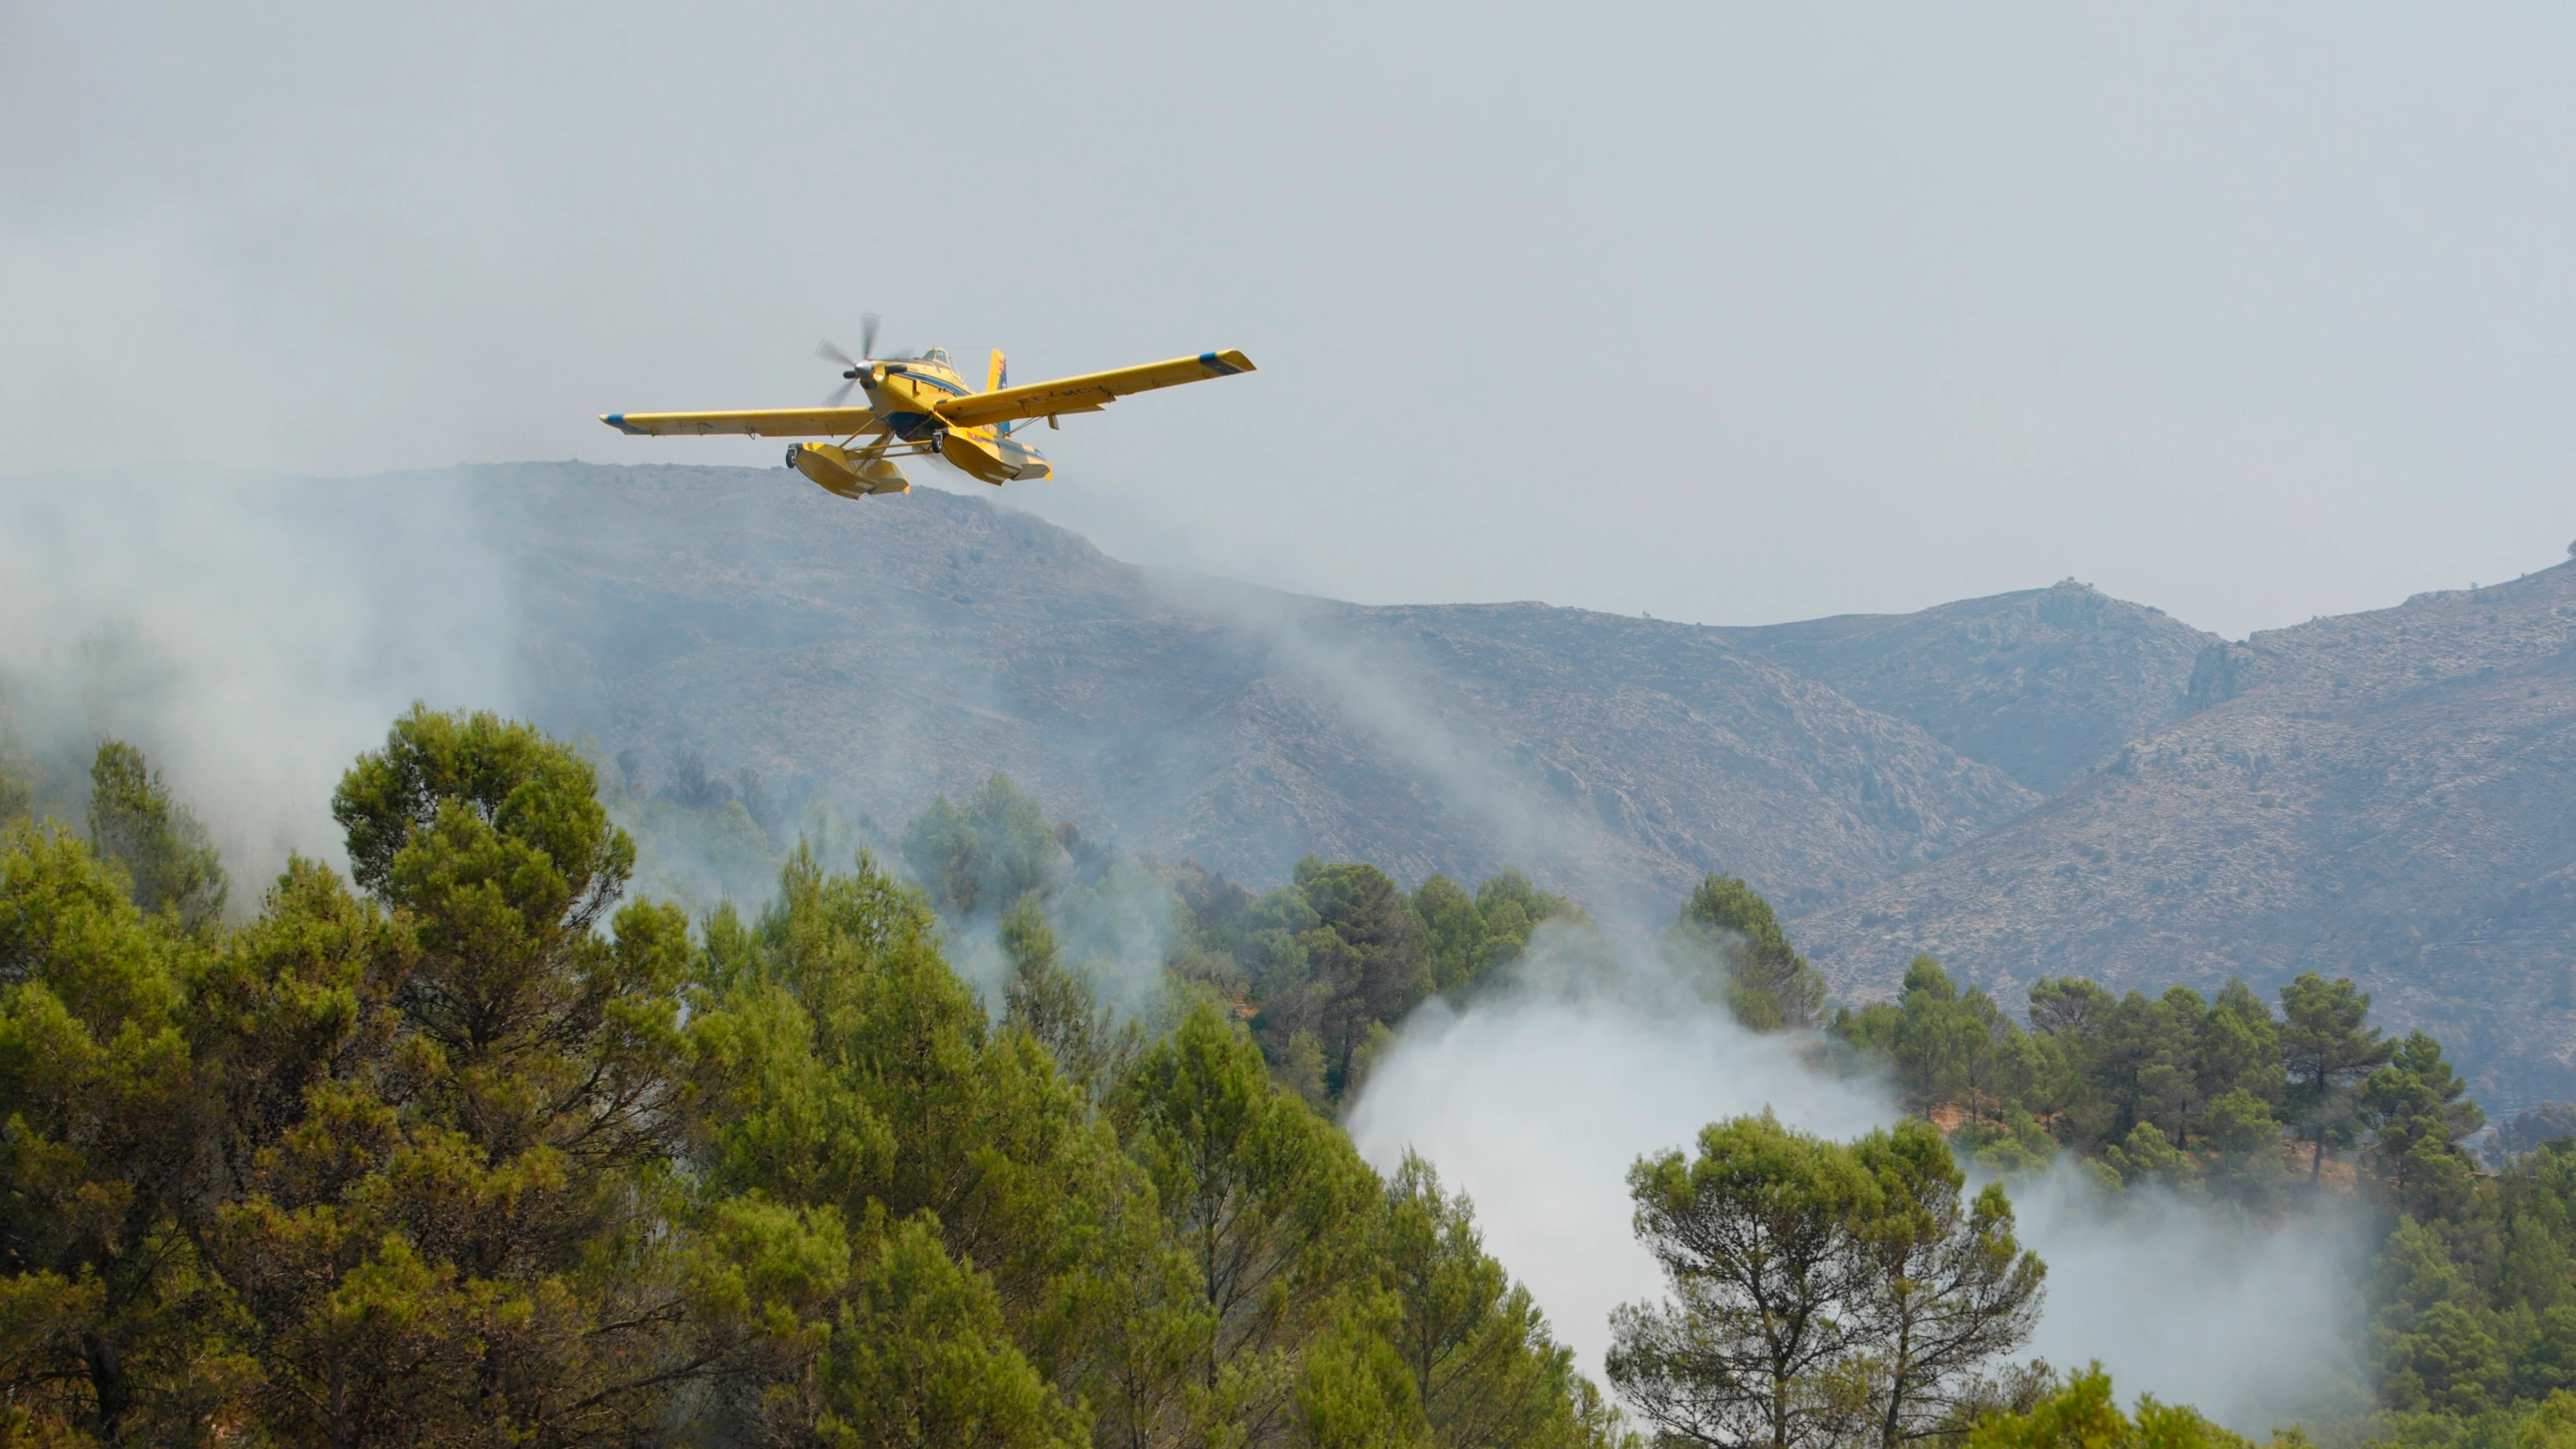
(2250, 1320)
(1535, 1099)
(1377, 692)
(252, 633)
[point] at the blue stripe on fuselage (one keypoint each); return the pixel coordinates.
(943, 384)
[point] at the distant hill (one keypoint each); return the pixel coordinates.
(2390, 795)
(2039, 782)
(888, 651)
(2042, 684)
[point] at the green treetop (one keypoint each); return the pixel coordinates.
(2326, 1048)
(161, 845)
(1770, 987)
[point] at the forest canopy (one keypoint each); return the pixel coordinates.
(485, 1144)
(476, 1149)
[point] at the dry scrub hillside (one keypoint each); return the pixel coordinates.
(2389, 794)
(886, 651)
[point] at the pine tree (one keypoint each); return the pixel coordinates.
(161, 845)
(1757, 1236)
(1949, 1288)
(2326, 1048)
(1770, 987)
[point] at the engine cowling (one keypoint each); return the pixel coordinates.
(839, 471)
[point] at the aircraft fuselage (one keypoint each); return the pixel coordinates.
(903, 394)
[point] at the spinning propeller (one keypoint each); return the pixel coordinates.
(858, 365)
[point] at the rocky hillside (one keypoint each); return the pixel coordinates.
(2042, 684)
(2039, 782)
(2390, 795)
(886, 651)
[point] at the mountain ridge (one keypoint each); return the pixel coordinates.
(1239, 725)
(2047, 781)
(2384, 795)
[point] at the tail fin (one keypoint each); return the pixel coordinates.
(997, 378)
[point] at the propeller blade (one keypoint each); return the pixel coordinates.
(840, 394)
(868, 333)
(829, 353)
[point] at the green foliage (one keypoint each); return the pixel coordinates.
(1355, 1394)
(2241, 1124)
(1366, 957)
(1769, 986)
(1473, 1345)
(477, 1148)
(1056, 1004)
(1468, 938)
(2473, 1310)
(2429, 1347)
(17, 774)
(2170, 1089)
(2084, 1415)
(2015, 1146)
(1324, 967)
(1266, 1199)
(490, 1154)
(2474, 1287)
(2416, 1109)
(2240, 1047)
(1946, 1286)
(699, 856)
(985, 855)
(2327, 1049)
(483, 780)
(103, 1114)
(1122, 926)
(162, 846)
(2146, 1156)
(1822, 1294)
(1335, 959)
(2133, 1059)
(1945, 1045)
(443, 1230)
(840, 1064)
(1758, 1236)
(919, 1359)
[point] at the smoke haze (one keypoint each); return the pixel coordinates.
(2255, 1323)
(252, 633)
(2250, 313)
(1535, 1100)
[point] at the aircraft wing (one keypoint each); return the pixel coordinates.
(759, 423)
(1087, 393)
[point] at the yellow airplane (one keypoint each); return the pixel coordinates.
(918, 406)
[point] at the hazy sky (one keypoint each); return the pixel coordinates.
(1718, 313)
